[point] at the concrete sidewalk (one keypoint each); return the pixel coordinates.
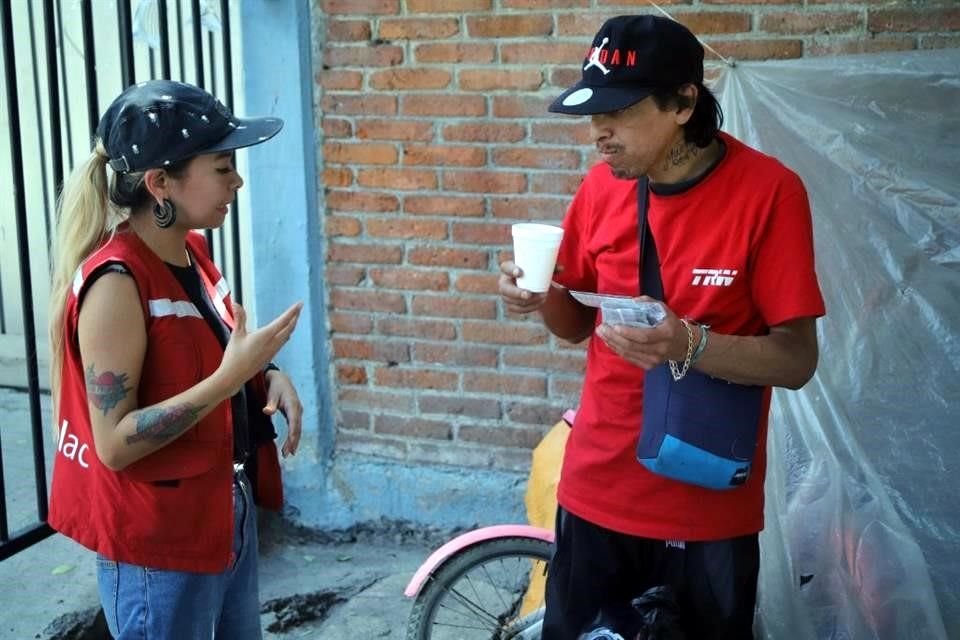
(346, 584)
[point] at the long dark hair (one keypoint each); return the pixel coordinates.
(707, 116)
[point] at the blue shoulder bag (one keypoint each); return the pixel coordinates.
(700, 430)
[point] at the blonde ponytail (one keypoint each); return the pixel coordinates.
(85, 219)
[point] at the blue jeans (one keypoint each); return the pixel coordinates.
(153, 604)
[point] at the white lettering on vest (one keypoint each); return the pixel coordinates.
(71, 447)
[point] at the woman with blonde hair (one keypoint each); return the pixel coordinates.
(162, 396)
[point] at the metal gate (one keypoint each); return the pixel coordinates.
(63, 62)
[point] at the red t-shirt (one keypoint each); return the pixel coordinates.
(736, 253)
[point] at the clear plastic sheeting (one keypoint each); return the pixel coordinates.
(863, 514)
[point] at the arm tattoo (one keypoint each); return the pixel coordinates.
(106, 390)
(160, 424)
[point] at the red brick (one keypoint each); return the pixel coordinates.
(371, 399)
(337, 177)
(403, 179)
(457, 258)
(418, 279)
(361, 7)
(485, 233)
(360, 153)
(367, 201)
(527, 208)
(501, 436)
(448, 6)
(364, 253)
(563, 77)
(368, 445)
(759, 49)
(580, 23)
(938, 42)
(343, 275)
(507, 384)
(342, 226)
(443, 155)
(453, 355)
(340, 79)
(516, 107)
(512, 26)
(367, 300)
(545, 4)
(444, 206)
(416, 378)
(499, 79)
(341, 322)
(567, 388)
(417, 328)
(360, 104)
(484, 132)
(337, 128)
(347, 30)
(478, 283)
(409, 79)
(556, 183)
(459, 406)
(413, 427)
(860, 44)
(536, 158)
(541, 360)
(753, 1)
(371, 349)
(351, 374)
(538, 413)
(797, 22)
(913, 19)
(540, 54)
(406, 228)
(418, 28)
(705, 22)
(505, 333)
(354, 420)
(484, 181)
(363, 56)
(444, 105)
(454, 307)
(394, 129)
(565, 133)
(455, 53)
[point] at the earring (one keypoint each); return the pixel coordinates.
(164, 214)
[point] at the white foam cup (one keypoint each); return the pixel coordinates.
(535, 248)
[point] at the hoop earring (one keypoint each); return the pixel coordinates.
(164, 214)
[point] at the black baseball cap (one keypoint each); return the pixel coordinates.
(630, 57)
(156, 123)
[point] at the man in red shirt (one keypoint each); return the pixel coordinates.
(732, 229)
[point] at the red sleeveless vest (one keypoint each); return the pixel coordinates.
(172, 509)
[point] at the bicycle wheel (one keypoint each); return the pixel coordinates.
(478, 593)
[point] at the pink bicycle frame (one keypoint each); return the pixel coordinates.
(469, 539)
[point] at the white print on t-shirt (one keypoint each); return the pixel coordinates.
(71, 447)
(676, 544)
(713, 277)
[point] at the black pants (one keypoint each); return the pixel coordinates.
(594, 568)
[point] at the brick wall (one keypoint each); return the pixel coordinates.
(435, 137)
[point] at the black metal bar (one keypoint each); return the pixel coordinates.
(183, 70)
(228, 98)
(26, 287)
(164, 39)
(53, 96)
(41, 136)
(90, 66)
(125, 22)
(23, 539)
(66, 93)
(197, 42)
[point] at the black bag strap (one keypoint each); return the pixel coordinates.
(650, 281)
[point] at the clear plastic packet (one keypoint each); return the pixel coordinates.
(633, 313)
